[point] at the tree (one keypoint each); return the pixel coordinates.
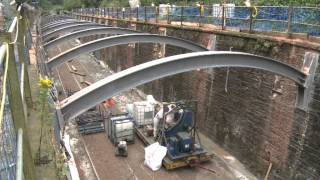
(70, 4)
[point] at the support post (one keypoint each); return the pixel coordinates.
(157, 14)
(145, 14)
(117, 12)
(111, 12)
(223, 18)
(168, 16)
(181, 16)
(251, 20)
(137, 14)
(19, 171)
(22, 58)
(290, 13)
(18, 115)
(201, 14)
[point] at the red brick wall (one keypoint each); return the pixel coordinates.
(251, 113)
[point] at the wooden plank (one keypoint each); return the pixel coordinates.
(74, 68)
(86, 83)
(78, 73)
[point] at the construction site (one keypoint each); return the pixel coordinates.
(159, 93)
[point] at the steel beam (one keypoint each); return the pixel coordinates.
(50, 19)
(88, 32)
(112, 85)
(118, 40)
(58, 22)
(67, 29)
(62, 24)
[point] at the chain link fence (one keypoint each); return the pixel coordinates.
(255, 19)
(8, 136)
(8, 145)
(13, 51)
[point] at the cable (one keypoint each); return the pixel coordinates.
(4, 85)
(204, 168)
(17, 31)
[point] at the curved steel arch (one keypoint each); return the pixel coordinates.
(88, 32)
(49, 19)
(143, 73)
(118, 40)
(63, 24)
(56, 25)
(70, 28)
(58, 22)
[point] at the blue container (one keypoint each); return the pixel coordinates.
(185, 142)
(173, 147)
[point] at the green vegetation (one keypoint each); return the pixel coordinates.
(69, 4)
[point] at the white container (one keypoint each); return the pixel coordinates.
(121, 128)
(129, 109)
(143, 113)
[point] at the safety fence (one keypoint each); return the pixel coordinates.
(15, 155)
(257, 18)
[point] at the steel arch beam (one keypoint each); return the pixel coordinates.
(58, 22)
(88, 32)
(49, 19)
(152, 70)
(63, 24)
(70, 28)
(118, 40)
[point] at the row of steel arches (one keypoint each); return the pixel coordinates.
(53, 28)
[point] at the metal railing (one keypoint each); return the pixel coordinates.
(286, 19)
(15, 95)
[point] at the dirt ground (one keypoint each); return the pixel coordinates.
(94, 154)
(44, 171)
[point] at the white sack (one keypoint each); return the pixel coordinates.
(153, 156)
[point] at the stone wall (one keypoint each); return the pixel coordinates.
(251, 113)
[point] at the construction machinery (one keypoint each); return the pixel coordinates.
(180, 137)
(91, 121)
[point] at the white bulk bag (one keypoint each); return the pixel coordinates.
(154, 155)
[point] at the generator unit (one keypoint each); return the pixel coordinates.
(178, 134)
(180, 138)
